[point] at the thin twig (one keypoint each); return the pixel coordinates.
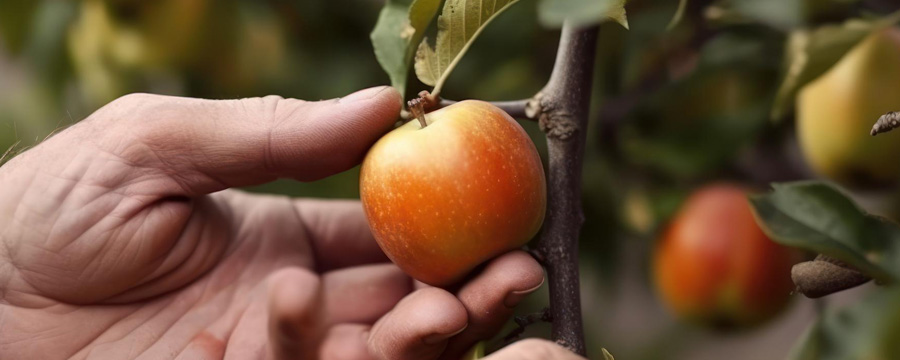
(515, 108)
(523, 321)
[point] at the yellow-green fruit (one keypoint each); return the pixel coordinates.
(836, 112)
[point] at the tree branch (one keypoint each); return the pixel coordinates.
(523, 321)
(515, 108)
(562, 109)
(518, 109)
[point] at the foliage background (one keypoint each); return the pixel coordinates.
(707, 121)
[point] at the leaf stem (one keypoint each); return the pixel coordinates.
(439, 85)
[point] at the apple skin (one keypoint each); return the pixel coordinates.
(715, 266)
(443, 199)
(836, 112)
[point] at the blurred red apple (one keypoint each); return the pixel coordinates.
(714, 265)
(447, 197)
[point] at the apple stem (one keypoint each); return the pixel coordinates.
(417, 108)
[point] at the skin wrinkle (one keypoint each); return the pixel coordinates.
(157, 337)
(160, 168)
(304, 228)
(272, 122)
(93, 342)
(114, 191)
(230, 329)
(65, 246)
(199, 300)
(35, 293)
(165, 255)
(151, 148)
(256, 251)
(76, 348)
(204, 258)
(73, 310)
(36, 336)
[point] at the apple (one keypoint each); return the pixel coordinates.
(715, 266)
(836, 112)
(444, 198)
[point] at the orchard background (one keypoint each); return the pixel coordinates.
(690, 94)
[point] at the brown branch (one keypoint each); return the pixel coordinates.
(515, 108)
(523, 321)
(562, 109)
(824, 276)
(518, 109)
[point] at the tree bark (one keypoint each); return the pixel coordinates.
(562, 108)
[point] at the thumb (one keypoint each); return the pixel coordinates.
(209, 145)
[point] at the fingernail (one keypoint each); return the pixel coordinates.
(515, 297)
(364, 94)
(435, 339)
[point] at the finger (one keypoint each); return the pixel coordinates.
(346, 342)
(534, 349)
(203, 146)
(363, 294)
(294, 314)
(339, 233)
(418, 327)
(491, 296)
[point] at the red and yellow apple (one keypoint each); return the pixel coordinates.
(444, 198)
(715, 266)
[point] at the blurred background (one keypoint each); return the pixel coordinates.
(673, 110)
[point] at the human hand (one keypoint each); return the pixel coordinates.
(533, 349)
(120, 239)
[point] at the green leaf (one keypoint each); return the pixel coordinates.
(400, 27)
(461, 21)
(817, 217)
(679, 13)
(866, 330)
(607, 355)
(475, 353)
(552, 13)
(810, 53)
